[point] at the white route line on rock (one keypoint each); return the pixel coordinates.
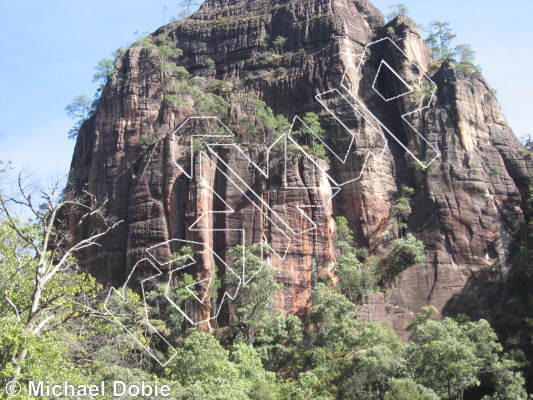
(182, 125)
(383, 62)
(233, 177)
(120, 294)
(370, 153)
(226, 294)
(403, 116)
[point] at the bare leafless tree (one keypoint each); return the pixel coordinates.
(53, 247)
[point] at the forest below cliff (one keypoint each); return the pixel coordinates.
(65, 334)
(208, 332)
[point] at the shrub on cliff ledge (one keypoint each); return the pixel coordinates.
(310, 134)
(407, 251)
(401, 209)
(279, 42)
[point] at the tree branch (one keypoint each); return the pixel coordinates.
(41, 325)
(12, 305)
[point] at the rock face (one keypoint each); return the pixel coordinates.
(468, 206)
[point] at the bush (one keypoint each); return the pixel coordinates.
(264, 40)
(170, 99)
(406, 252)
(279, 72)
(266, 59)
(210, 63)
(305, 135)
(169, 49)
(391, 32)
(279, 42)
(423, 92)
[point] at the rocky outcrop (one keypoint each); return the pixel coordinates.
(468, 202)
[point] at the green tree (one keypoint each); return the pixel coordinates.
(349, 359)
(312, 120)
(396, 10)
(206, 371)
(465, 59)
(329, 309)
(408, 389)
(464, 53)
(506, 379)
(358, 274)
(308, 386)
(258, 119)
(370, 372)
(279, 344)
(161, 313)
(103, 70)
(260, 384)
(46, 356)
(357, 279)
(373, 356)
(391, 32)
(46, 291)
(202, 367)
(450, 356)
(255, 306)
(264, 40)
(439, 39)
(107, 352)
(79, 107)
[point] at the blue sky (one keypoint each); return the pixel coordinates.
(49, 50)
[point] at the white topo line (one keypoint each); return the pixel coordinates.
(277, 221)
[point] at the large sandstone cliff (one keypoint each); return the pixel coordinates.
(468, 206)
